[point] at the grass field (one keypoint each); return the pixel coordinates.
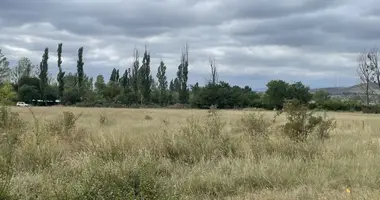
(183, 154)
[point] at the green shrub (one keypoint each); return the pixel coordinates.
(301, 122)
(371, 109)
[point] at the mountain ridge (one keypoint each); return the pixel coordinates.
(355, 89)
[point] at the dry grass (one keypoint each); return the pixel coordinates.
(184, 154)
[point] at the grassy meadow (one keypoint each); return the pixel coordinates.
(105, 153)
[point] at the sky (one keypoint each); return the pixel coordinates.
(252, 41)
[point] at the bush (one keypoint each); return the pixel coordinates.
(371, 109)
(301, 122)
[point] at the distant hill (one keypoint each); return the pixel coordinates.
(355, 89)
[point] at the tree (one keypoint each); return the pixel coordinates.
(113, 75)
(80, 71)
(4, 68)
(320, 96)
(28, 89)
(135, 73)
(27, 93)
(100, 85)
(300, 92)
(182, 76)
(145, 81)
(61, 74)
(24, 67)
(43, 74)
(117, 76)
(276, 93)
(125, 82)
(162, 82)
(368, 72)
(6, 94)
(214, 72)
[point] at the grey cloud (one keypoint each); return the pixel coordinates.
(322, 33)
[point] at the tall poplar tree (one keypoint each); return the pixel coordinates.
(135, 74)
(61, 74)
(124, 81)
(113, 75)
(182, 76)
(80, 72)
(162, 82)
(145, 78)
(43, 75)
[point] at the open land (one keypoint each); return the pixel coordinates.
(183, 154)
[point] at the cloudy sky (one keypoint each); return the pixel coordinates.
(252, 41)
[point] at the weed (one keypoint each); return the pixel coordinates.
(148, 117)
(63, 124)
(103, 120)
(256, 125)
(69, 120)
(11, 129)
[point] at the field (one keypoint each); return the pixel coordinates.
(183, 154)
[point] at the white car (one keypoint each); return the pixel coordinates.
(22, 104)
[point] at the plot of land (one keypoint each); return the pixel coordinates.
(186, 154)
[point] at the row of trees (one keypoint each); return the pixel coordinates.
(137, 87)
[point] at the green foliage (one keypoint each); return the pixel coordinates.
(371, 109)
(301, 122)
(61, 74)
(43, 75)
(26, 93)
(320, 96)
(276, 93)
(7, 94)
(145, 78)
(134, 76)
(299, 91)
(223, 95)
(125, 81)
(162, 83)
(80, 72)
(113, 75)
(180, 83)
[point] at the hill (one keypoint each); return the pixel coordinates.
(355, 89)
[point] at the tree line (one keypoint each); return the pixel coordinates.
(136, 87)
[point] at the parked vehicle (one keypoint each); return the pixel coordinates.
(22, 104)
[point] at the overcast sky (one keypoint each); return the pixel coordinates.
(252, 41)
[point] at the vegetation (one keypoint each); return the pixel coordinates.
(137, 88)
(99, 153)
(155, 154)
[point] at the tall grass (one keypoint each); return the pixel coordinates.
(206, 156)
